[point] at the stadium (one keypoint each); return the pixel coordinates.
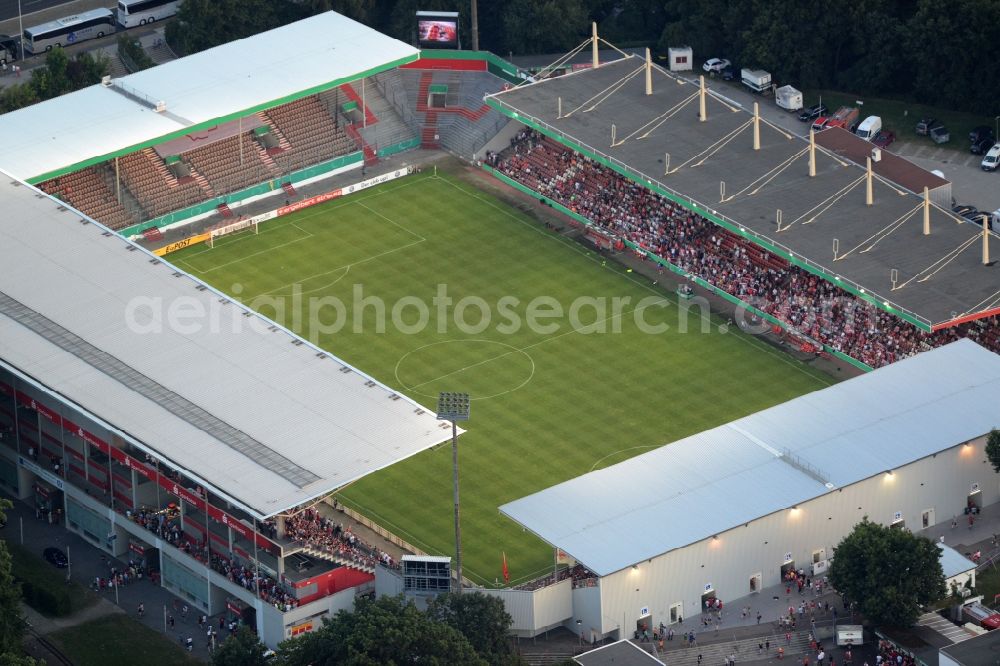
(198, 366)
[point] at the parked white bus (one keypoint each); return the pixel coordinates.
(69, 30)
(140, 12)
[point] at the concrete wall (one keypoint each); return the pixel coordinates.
(940, 484)
(536, 611)
(274, 626)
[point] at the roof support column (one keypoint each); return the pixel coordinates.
(869, 200)
(986, 240)
(702, 113)
(593, 44)
(812, 153)
(927, 211)
(649, 73)
(756, 124)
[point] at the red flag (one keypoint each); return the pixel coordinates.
(506, 572)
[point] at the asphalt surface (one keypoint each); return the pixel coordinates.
(34, 12)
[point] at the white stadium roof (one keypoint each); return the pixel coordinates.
(256, 414)
(203, 89)
(769, 461)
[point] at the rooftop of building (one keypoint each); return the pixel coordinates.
(240, 404)
(770, 461)
(881, 252)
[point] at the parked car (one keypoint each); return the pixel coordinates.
(715, 65)
(821, 123)
(729, 74)
(992, 159)
(981, 133)
(925, 125)
(982, 146)
(940, 134)
(814, 111)
(962, 209)
(884, 138)
(55, 557)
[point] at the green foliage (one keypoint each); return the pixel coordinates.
(119, 640)
(11, 621)
(58, 76)
(16, 659)
(133, 55)
(243, 649)
(993, 449)
(482, 619)
(871, 47)
(386, 631)
(889, 573)
(44, 587)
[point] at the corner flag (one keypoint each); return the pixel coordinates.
(506, 572)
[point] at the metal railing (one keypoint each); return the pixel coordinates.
(713, 215)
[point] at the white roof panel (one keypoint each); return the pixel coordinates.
(771, 460)
(953, 562)
(257, 414)
(220, 83)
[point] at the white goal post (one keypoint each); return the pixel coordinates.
(232, 228)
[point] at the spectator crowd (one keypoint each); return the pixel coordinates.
(811, 307)
(310, 528)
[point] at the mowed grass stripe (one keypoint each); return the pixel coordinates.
(592, 399)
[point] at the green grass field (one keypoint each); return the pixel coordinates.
(548, 406)
(118, 640)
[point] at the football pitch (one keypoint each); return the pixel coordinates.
(572, 362)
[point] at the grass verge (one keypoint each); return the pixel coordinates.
(117, 640)
(44, 587)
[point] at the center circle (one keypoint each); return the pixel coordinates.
(482, 368)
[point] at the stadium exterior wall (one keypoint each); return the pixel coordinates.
(41, 178)
(536, 611)
(679, 271)
(940, 484)
(690, 204)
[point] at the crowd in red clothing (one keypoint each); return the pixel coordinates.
(813, 308)
(312, 529)
(888, 655)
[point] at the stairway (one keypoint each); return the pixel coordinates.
(265, 157)
(161, 168)
(429, 132)
(424, 90)
(331, 557)
(289, 189)
(546, 658)
(153, 235)
(745, 650)
(225, 211)
(203, 183)
(283, 143)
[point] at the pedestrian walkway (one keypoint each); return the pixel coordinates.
(745, 650)
(88, 562)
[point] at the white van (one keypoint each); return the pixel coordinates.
(869, 128)
(991, 160)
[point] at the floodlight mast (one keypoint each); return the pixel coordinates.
(455, 407)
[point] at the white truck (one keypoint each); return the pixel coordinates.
(869, 128)
(756, 80)
(788, 98)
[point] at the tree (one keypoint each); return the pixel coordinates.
(241, 649)
(889, 573)
(386, 631)
(993, 449)
(11, 620)
(482, 619)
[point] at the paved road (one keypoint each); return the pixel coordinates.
(87, 562)
(34, 12)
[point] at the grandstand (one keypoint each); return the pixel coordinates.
(933, 281)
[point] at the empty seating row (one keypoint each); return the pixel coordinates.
(227, 167)
(88, 192)
(157, 191)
